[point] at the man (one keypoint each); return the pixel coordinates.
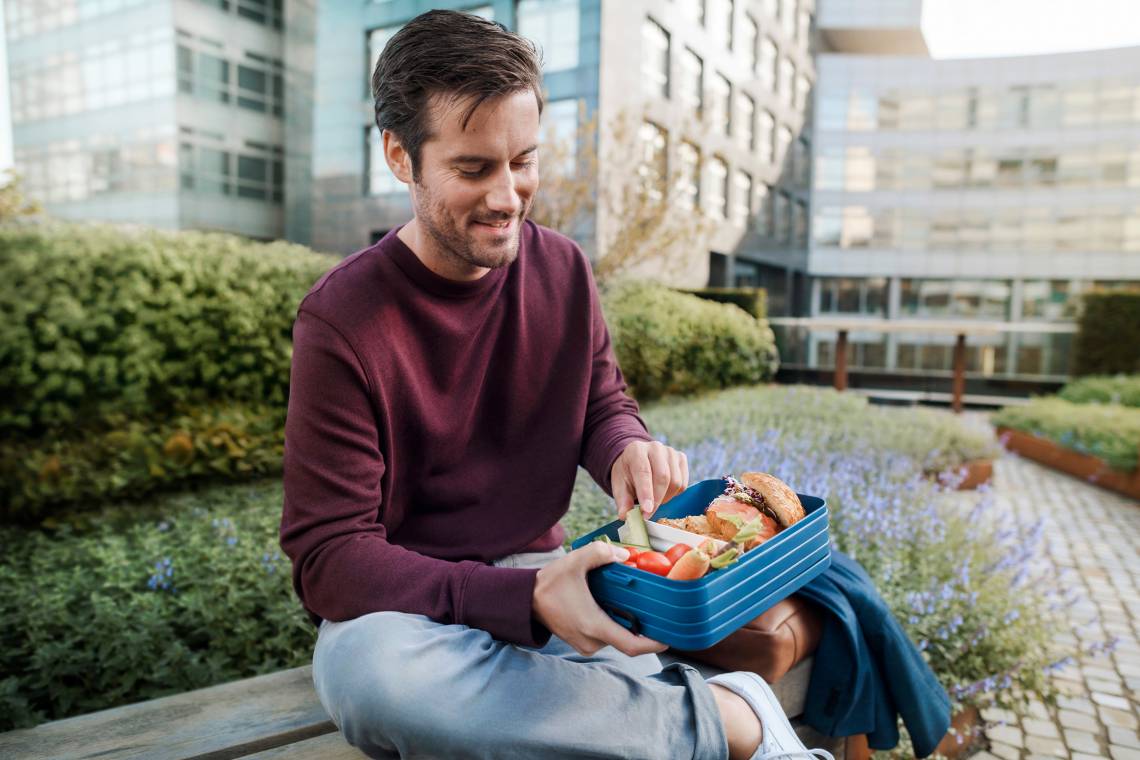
(446, 384)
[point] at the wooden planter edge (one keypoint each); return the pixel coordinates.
(1088, 468)
(978, 472)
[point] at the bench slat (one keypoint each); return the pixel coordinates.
(327, 747)
(220, 722)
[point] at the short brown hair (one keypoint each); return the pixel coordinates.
(457, 55)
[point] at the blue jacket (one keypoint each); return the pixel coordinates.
(866, 671)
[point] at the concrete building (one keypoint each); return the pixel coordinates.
(992, 190)
(167, 113)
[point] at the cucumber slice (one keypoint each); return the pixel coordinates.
(635, 522)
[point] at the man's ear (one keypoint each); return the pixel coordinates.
(398, 159)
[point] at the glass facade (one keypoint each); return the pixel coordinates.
(720, 104)
(654, 165)
(553, 25)
(654, 59)
(853, 295)
(692, 90)
(717, 205)
(689, 187)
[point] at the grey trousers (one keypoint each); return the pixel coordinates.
(400, 685)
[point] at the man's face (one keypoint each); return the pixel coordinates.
(476, 185)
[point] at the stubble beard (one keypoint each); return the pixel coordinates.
(454, 243)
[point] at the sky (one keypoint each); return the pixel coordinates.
(984, 28)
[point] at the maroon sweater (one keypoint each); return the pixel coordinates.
(435, 426)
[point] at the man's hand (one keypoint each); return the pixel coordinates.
(562, 603)
(650, 473)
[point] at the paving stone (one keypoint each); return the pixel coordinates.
(995, 714)
(1122, 718)
(1108, 700)
(1049, 747)
(1123, 737)
(1077, 704)
(1082, 741)
(1106, 687)
(1037, 727)
(983, 755)
(1005, 734)
(1005, 751)
(1083, 756)
(1123, 753)
(1078, 720)
(1037, 709)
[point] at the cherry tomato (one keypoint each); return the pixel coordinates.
(629, 563)
(676, 551)
(654, 562)
(632, 554)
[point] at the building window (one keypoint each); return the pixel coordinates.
(788, 18)
(781, 213)
(694, 10)
(803, 86)
(689, 180)
(553, 26)
(766, 137)
(720, 104)
(377, 40)
(769, 63)
(853, 295)
(783, 140)
(803, 162)
(560, 135)
(803, 28)
(258, 86)
(799, 222)
(746, 121)
(720, 20)
(1048, 300)
(749, 48)
(741, 197)
(257, 175)
(717, 205)
(654, 59)
(379, 178)
(764, 210)
(787, 80)
(970, 299)
(692, 79)
(654, 169)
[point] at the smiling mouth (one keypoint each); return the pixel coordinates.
(497, 225)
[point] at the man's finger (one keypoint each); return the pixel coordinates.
(643, 484)
(662, 474)
(623, 497)
(676, 475)
(598, 553)
(624, 640)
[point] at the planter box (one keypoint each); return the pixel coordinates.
(978, 472)
(1088, 468)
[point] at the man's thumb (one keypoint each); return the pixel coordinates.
(602, 553)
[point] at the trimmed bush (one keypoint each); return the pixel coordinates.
(752, 300)
(672, 343)
(1108, 336)
(1104, 389)
(102, 321)
(191, 590)
(136, 457)
(1108, 431)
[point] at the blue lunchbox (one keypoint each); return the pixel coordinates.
(697, 614)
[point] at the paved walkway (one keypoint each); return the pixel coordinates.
(1094, 536)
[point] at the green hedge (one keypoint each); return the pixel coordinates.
(1104, 389)
(196, 595)
(101, 320)
(1108, 336)
(752, 300)
(1108, 431)
(671, 343)
(134, 457)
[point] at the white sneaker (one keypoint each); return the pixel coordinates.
(780, 741)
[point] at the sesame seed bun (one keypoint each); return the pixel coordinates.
(778, 497)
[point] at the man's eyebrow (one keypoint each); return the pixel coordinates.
(485, 159)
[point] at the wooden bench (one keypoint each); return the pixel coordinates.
(273, 716)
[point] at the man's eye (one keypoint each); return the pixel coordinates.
(525, 164)
(471, 173)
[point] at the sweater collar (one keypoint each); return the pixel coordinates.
(433, 283)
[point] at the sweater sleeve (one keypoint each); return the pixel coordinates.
(343, 564)
(612, 418)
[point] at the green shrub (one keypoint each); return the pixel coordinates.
(94, 618)
(752, 300)
(134, 457)
(1108, 431)
(1104, 389)
(671, 343)
(1108, 335)
(198, 595)
(101, 320)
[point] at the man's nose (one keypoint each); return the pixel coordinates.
(503, 196)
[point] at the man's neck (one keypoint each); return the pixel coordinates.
(434, 258)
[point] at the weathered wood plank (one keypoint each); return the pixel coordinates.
(225, 721)
(327, 747)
